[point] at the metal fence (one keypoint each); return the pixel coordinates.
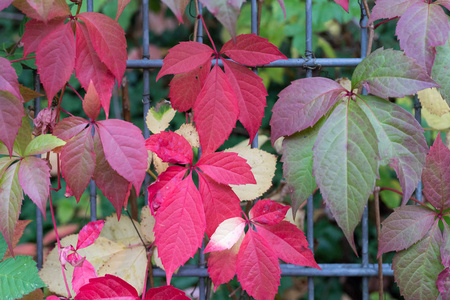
(309, 62)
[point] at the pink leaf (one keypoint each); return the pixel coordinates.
(302, 104)
(121, 4)
(289, 243)
(108, 39)
(113, 186)
(219, 200)
(124, 149)
(404, 227)
(252, 50)
(36, 31)
(107, 287)
(185, 87)
(281, 2)
(75, 259)
(185, 57)
(78, 162)
(34, 178)
(5, 3)
(387, 9)
(443, 283)
(164, 293)
(41, 11)
(42, 7)
(180, 217)
(258, 270)
(82, 275)
(56, 67)
(445, 246)
(226, 168)
(11, 113)
(226, 235)
(420, 29)
(215, 111)
(268, 212)
(70, 127)
(91, 103)
(170, 147)
(89, 67)
(436, 175)
(250, 93)
(89, 233)
(8, 78)
(343, 3)
(226, 11)
(177, 7)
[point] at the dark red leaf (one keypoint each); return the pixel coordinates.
(165, 293)
(89, 233)
(107, 287)
(170, 147)
(268, 212)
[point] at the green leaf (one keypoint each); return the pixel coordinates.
(23, 137)
(298, 164)
(18, 277)
(401, 144)
(5, 161)
(416, 269)
(441, 71)
(3, 247)
(346, 164)
(42, 144)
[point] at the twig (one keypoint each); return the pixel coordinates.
(75, 91)
(149, 259)
(380, 259)
(370, 29)
(22, 59)
(400, 193)
(196, 21)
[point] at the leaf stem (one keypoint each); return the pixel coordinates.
(79, 7)
(400, 193)
(385, 21)
(75, 91)
(152, 174)
(22, 59)
(149, 259)
(207, 32)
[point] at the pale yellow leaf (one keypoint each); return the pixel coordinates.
(436, 122)
(159, 120)
(147, 224)
(432, 100)
(226, 234)
(299, 218)
(263, 168)
(447, 139)
(189, 132)
(160, 166)
(121, 231)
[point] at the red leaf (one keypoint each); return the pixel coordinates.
(124, 149)
(108, 39)
(185, 87)
(250, 93)
(343, 3)
(215, 111)
(185, 57)
(4, 4)
(56, 67)
(289, 243)
(180, 217)
(387, 9)
(89, 67)
(258, 270)
(34, 178)
(11, 113)
(107, 287)
(226, 168)
(219, 200)
(252, 50)
(89, 233)
(177, 7)
(113, 186)
(82, 275)
(91, 102)
(121, 4)
(78, 162)
(268, 212)
(8, 78)
(36, 31)
(165, 293)
(69, 127)
(170, 147)
(443, 283)
(226, 235)
(44, 13)
(445, 246)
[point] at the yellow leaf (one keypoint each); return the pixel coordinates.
(189, 132)
(158, 121)
(436, 122)
(147, 224)
(160, 166)
(432, 100)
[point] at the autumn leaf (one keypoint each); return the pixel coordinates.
(177, 7)
(170, 147)
(8, 78)
(11, 113)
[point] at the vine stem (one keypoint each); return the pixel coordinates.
(58, 242)
(385, 21)
(400, 193)
(209, 36)
(370, 28)
(197, 12)
(22, 59)
(378, 224)
(149, 259)
(75, 91)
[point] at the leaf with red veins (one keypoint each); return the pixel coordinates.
(89, 233)
(124, 149)
(177, 7)
(252, 50)
(55, 59)
(170, 147)
(219, 200)
(113, 186)
(226, 11)
(4, 4)
(36, 31)
(404, 227)
(78, 162)
(289, 243)
(108, 39)
(11, 113)
(222, 264)
(445, 246)
(185, 57)
(107, 287)
(40, 10)
(34, 178)
(8, 78)
(69, 127)
(268, 212)
(436, 175)
(161, 188)
(121, 4)
(185, 87)
(11, 197)
(165, 292)
(250, 93)
(82, 274)
(226, 168)
(387, 9)
(420, 29)
(179, 225)
(226, 235)
(443, 283)
(258, 270)
(42, 7)
(215, 111)
(343, 3)
(91, 102)
(302, 104)
(89, 68)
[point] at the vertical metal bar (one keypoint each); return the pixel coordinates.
(418, 116)
(90, 5)
(146, 79)
(254, 26)
(39, 225)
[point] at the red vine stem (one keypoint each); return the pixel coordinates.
(22, 59)
(75, 91)
(209, 36)
(385, 21)
(400, 193)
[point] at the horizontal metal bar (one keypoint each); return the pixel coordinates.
(292, 270)
(282, 63)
